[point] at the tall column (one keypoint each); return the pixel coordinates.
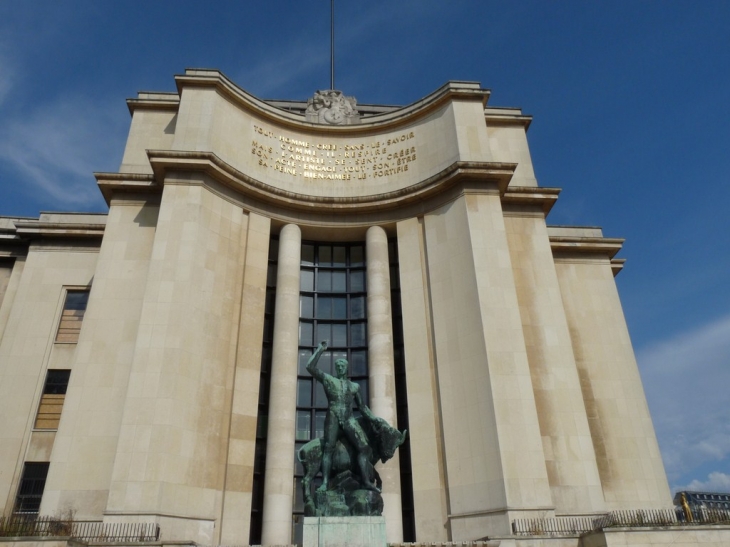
(278, 482)
(382, 369)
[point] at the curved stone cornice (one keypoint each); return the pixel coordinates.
(165, 162)
(452, 90)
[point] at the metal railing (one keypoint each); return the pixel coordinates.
(637, 518)
(634, 518)
(559, 526)
(703, 515)
(20, 525)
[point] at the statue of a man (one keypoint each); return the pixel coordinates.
(341, 393)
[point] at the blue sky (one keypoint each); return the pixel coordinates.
(631, 120)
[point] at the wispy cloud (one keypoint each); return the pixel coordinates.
(56, 147)
(716, 482)
(686, 378)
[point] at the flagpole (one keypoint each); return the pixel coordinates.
(332, 44)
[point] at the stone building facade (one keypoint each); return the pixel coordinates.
(150, 358)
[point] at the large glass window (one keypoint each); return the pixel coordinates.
(332, 307)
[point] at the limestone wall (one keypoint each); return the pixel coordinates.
(173, 443)
(86, 443)
(27, 347)
(569, 455)
(629, 462)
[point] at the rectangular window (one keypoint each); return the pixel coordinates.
(54, 394)
(31, 487)
(73, 315)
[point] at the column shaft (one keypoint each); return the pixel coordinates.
(381, 369)
(278, 482)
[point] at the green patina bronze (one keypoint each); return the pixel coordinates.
(348, 451)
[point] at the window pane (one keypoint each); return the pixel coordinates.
(305, 334)
(392, 251)
(304, 425)
(325, 255)
(304, 393)
(265, 358)
(364, 394)
(356, 256)
(339, 335)
(395, 304)
(306, 305)
(357, 281)
(357, 307)
(263, 395)
(325, 362)
(394, 278)
(338, 256)
(320, 399)
(304, 355)
(298, 467)
(357, 334)
(268, 329)
(339, 281)
(324, 307)
(324, 332)
(306, 282)
(398, 333)
(56, 382)
(273, 249)
(298, 496)
(31, 487)
(76, 300)
(319, 417)
(308, 255)
(339, 307)
(271, 276)
(359, 363)
(324, 281)
(270, 302)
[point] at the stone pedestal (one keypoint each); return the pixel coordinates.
(344, 532)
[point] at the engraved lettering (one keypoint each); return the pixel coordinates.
(332, 161)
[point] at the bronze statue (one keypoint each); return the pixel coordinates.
(349, 444)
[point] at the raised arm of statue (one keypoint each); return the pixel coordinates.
(312, 363)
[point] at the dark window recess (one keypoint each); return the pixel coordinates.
(52, 399)
(31, 488)
(72, 316)
(259, 465)
(401, 397)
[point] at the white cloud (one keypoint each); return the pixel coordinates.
(716, 482)
(56, 147)
(686, 379)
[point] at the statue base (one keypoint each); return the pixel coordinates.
(344, 532)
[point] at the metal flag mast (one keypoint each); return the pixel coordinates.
(332, 44)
